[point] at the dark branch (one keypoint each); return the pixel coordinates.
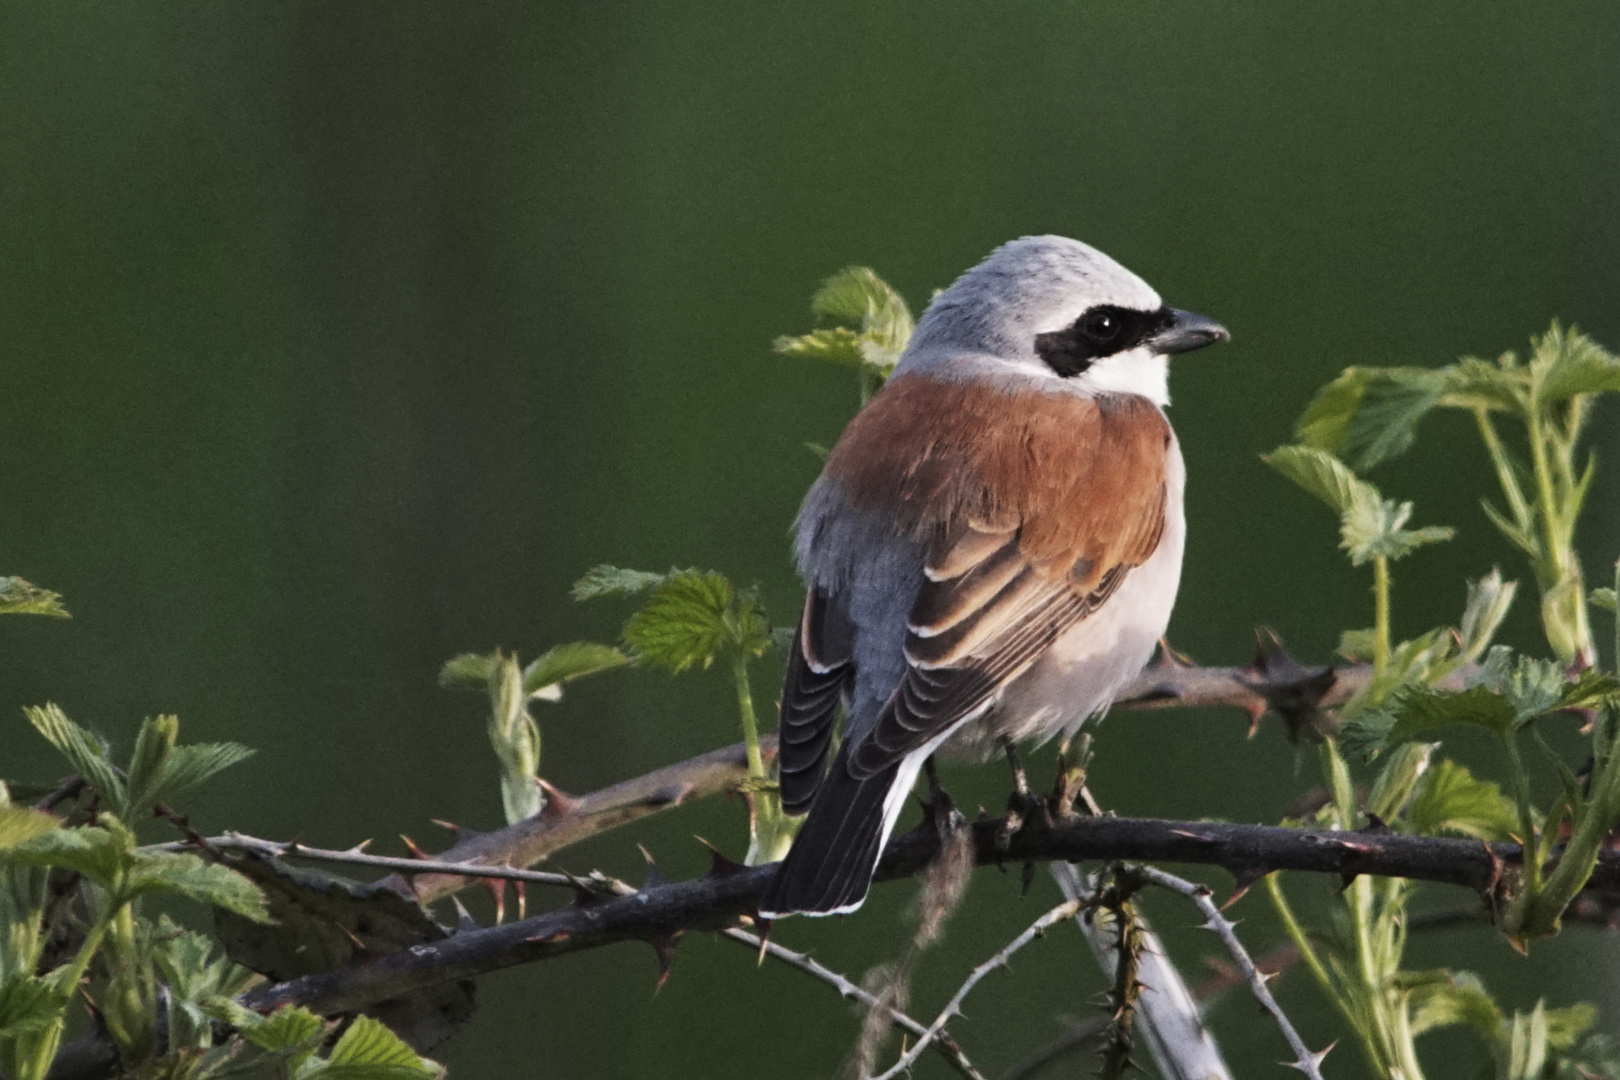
(661, 913)
(1273, 682)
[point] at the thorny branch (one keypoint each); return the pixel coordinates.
(660, 913)
(942, 1042)
(1306, 1062)
(1274, 682)
(1066, 910)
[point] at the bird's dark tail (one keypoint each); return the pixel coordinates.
(830, 866)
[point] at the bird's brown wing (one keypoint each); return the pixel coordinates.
(1032, 515)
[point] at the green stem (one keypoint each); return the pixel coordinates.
(1527, 821)
(1504, 471)
(1319, 972)
(1542, 908)
(745, 707)
(1380, 616)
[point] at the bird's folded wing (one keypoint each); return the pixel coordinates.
(986, 611)
(819, 671)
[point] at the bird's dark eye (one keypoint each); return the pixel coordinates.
(1101, 326)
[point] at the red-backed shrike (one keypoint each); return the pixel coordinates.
(992, 549)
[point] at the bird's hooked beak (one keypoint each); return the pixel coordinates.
(1185, 332)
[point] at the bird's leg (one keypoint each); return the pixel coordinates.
(1019, 803)
(1020, 781)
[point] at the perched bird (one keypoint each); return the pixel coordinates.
(991, 551)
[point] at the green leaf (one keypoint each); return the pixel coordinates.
(874, 328)
(184, 874)
(1605, 599)
(684, 623)
(1454, 998)
(1370, 526)
(98, 853)
(19, 824)
(1488, 601)
(835, 345)
(369, 1051)
(564, 663)
(1472, 383)
(157, 737)
(469, 671)
(1564, 363)
(1395, 781)
(1565, 1026)
(29, 1005)
(86, 753)
(18, 597)
(1369, 415)
(1358, 644)
(1525, 1046)
(1373, 530)
(189, 766)
(1419, 711)
(607, 580)
(287, 1030)
(1449, 799)
(1323, 475)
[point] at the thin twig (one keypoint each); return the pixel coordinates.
(1066, 910)
(847, 989)
(1306, 1062)
(292, 849)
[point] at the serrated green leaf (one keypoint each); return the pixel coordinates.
(1449, 799)
(564, 663)
(469, 671)
(1373, 530)
(1454, 998)
(1369, 415)
(1564, 363)
(1418, 710)
(288, 1029)
(1605, 599)
(1370, 526)
(184, 874)
(157, 737)
(1367, 735)
(834, 345)
(1472, 383)
(1325, 423)
(189, 766)
(19, 824)
(369, 1051)
(29, 1005)
(684, 623)
(19, 597)
(94, 851)
(86, 753)
(1323, 475)
(607, 580)
(874, 328)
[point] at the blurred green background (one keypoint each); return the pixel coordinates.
(339, 338)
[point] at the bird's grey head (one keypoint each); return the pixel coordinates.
(1054, 309)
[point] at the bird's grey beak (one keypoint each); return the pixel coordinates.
(1185, 332)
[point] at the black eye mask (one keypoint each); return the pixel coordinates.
(1101, 331)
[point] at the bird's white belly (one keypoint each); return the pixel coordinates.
(1082, 671)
